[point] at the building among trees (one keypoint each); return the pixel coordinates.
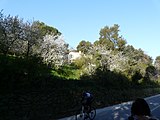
(73, 55)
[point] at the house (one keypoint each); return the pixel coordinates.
(73, 56)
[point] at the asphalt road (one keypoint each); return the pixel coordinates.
(122, 111)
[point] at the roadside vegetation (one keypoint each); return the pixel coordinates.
(37, 79)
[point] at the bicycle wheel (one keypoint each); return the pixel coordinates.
(80, 115)
(92, 114)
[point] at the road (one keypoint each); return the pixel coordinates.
(122, 111)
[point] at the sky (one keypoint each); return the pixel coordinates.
(78, 20)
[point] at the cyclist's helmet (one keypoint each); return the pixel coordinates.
(84, 93)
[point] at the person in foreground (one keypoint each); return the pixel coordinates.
(140, 110)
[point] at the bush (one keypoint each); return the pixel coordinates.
(19, 71)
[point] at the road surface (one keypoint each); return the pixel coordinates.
(122, 111)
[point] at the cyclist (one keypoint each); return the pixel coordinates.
(140, 110)
(87, 99)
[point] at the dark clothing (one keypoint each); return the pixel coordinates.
(140, 110)
(140, 107)
(87, 99)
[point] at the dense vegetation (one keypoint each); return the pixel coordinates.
(38, 81)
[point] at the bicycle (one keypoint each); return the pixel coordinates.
(83, 114)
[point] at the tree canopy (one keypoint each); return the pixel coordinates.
(109, 52)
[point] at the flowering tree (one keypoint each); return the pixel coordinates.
(54, 50)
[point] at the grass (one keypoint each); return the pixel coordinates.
(67, 72)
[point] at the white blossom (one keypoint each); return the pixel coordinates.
(53, 50)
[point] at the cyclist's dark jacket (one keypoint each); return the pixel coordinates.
(87, 98)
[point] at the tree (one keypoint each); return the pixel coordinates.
(109, 37)
(84, 46)
(136, 77)
(45, 29)
(137, 60)
(157, 64)
(150, 73)
(10, 32)
(33, 37)
(54, 50)
(137, 55)
(18, 37)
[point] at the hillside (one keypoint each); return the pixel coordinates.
(34, 95)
